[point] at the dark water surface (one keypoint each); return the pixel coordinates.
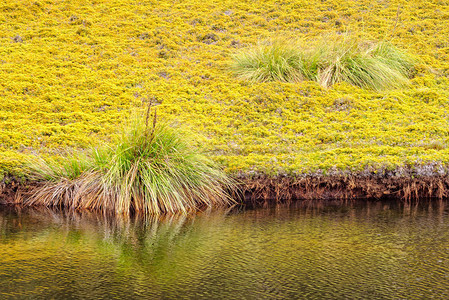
(359, 251)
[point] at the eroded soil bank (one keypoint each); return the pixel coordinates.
(263, 190)
(267, 190)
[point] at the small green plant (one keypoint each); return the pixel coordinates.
(151, 169)
(377, 66)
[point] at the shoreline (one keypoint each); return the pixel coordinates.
(265, 190)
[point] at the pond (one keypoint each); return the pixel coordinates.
(304, 251)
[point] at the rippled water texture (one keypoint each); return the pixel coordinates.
(369, 251)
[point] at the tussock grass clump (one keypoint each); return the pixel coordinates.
(271, 61)
(149, 170)
(377, 66)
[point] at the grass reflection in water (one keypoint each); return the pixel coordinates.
(370, 251)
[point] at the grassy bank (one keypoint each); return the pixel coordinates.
(151, 169)
(71, 72)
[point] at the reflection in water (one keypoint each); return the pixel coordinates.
(373, 250)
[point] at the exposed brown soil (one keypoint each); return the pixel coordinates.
(13, 191)
(267, 190)
(285, 189)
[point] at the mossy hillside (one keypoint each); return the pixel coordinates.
(71, 72)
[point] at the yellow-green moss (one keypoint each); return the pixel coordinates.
(71, 71)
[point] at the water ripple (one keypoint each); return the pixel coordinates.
(369, 251)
